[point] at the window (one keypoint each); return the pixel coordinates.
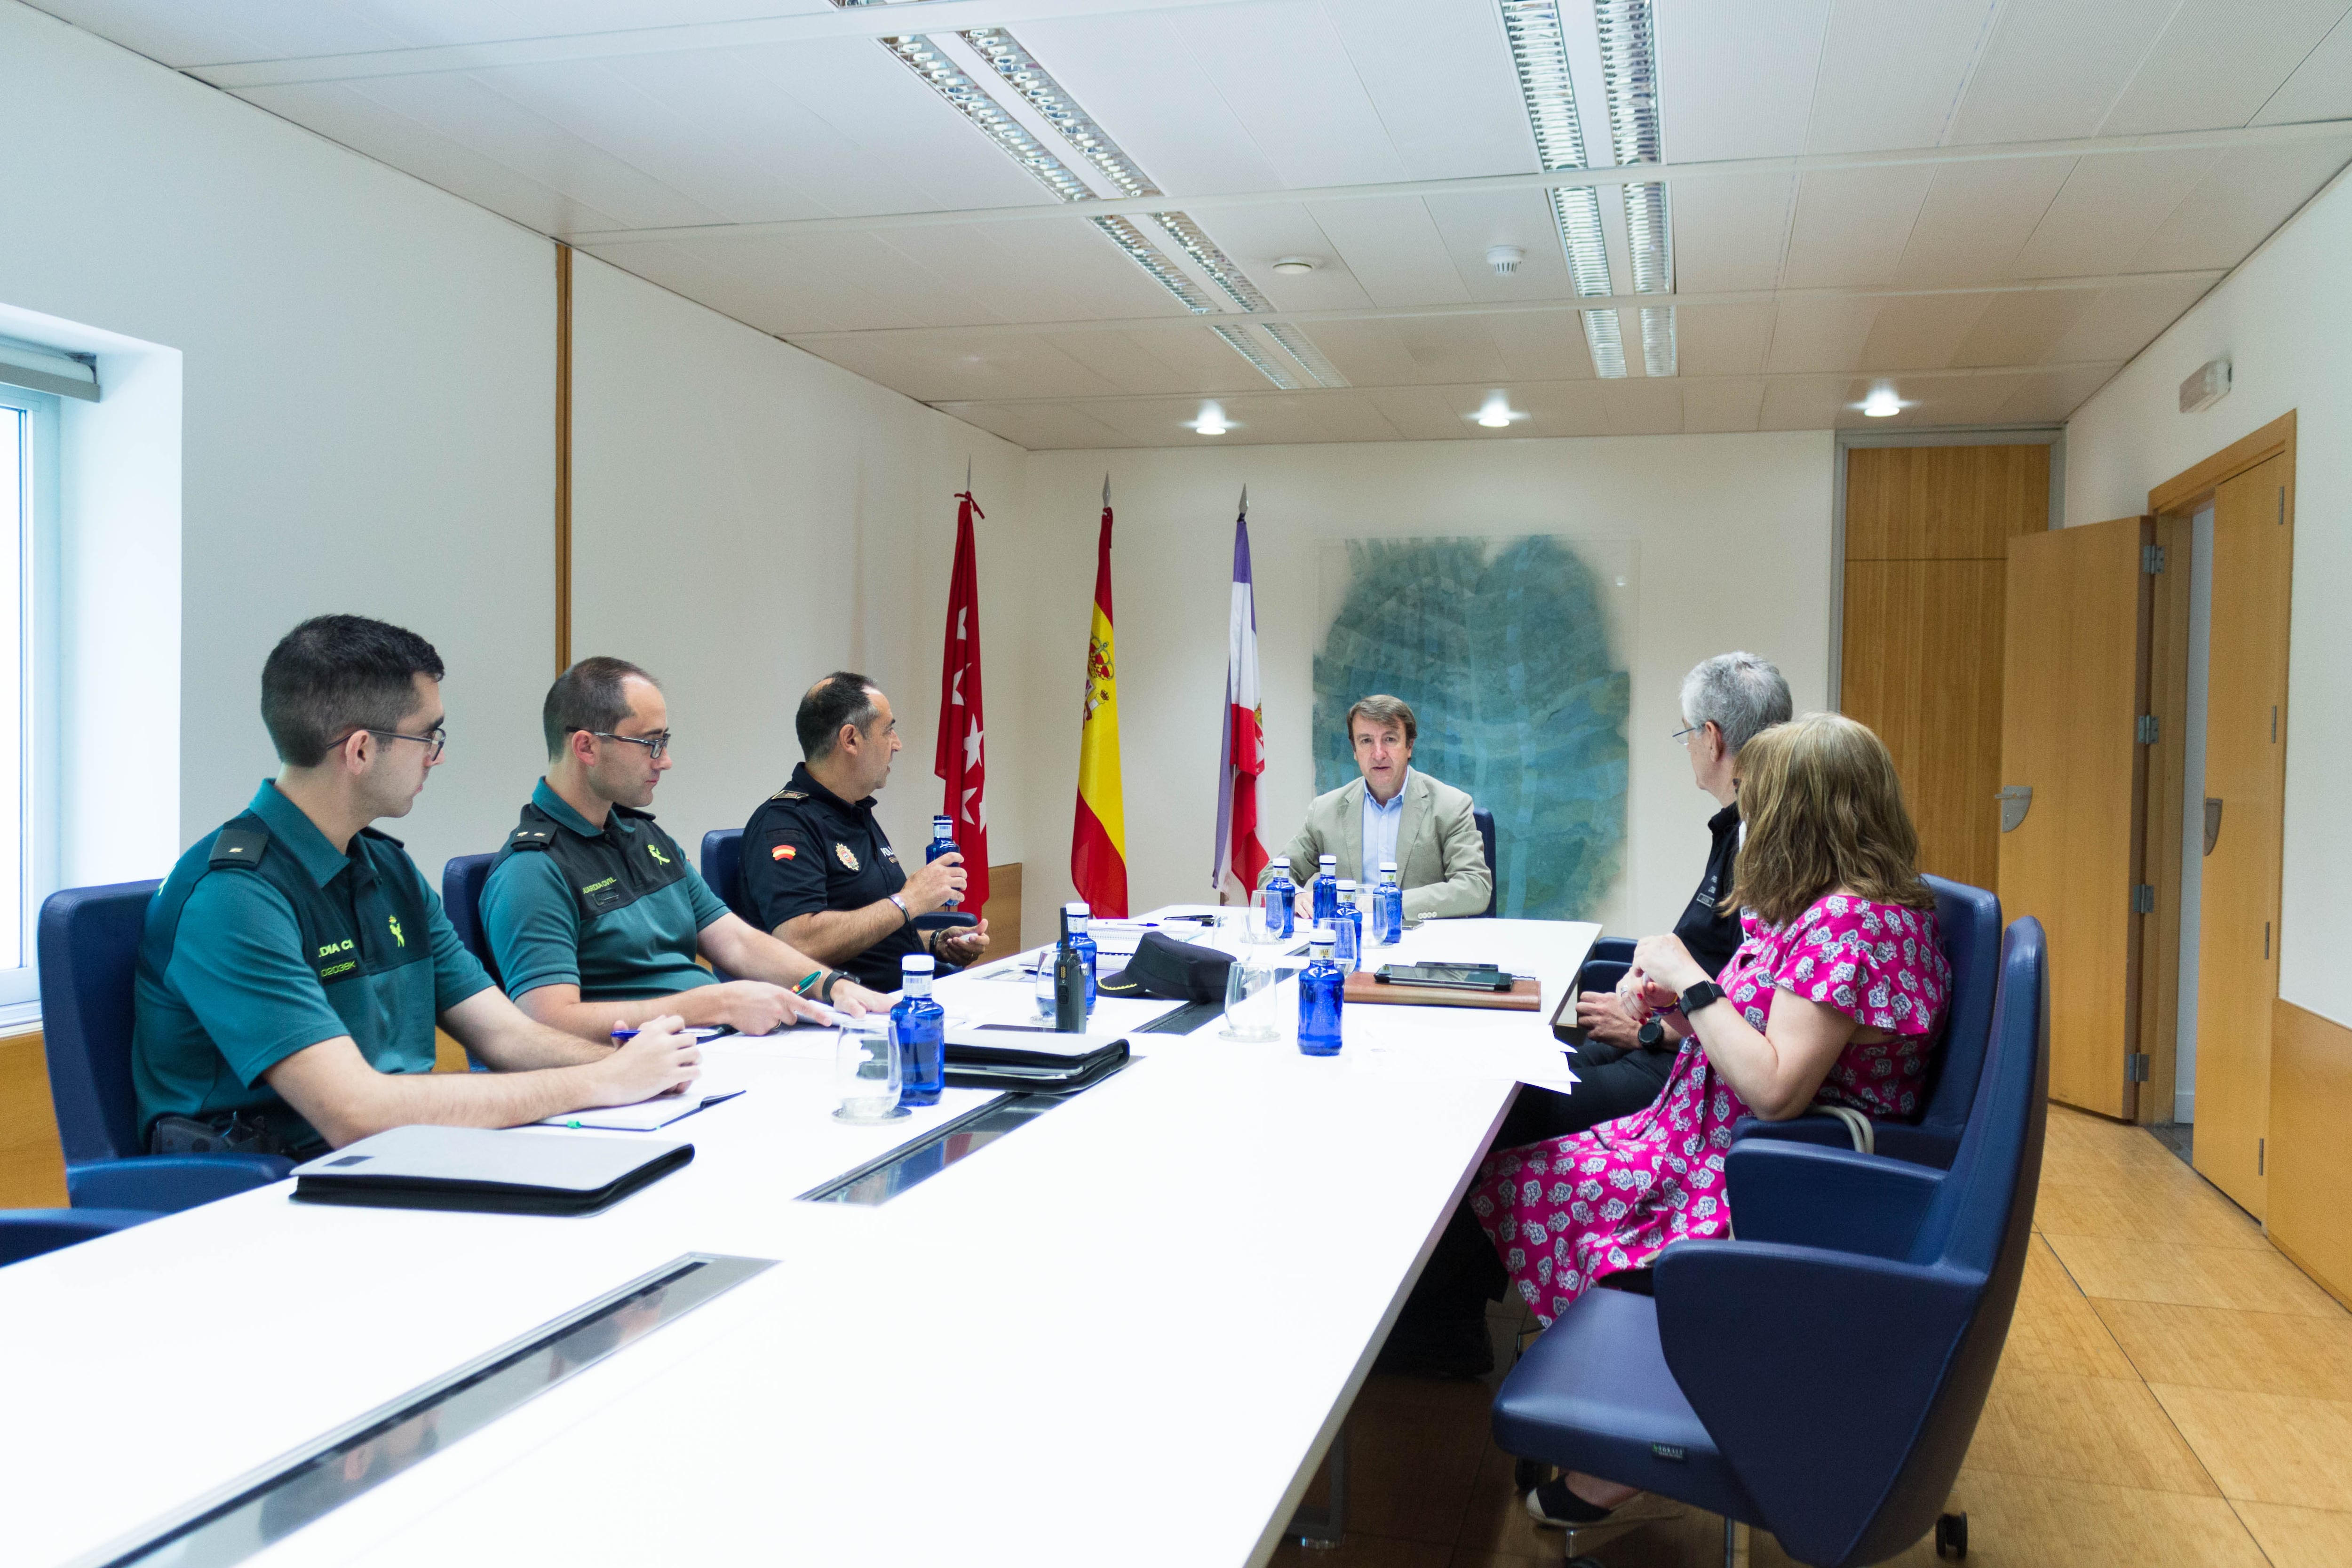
(28, 444)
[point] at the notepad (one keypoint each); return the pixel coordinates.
(646, 1115)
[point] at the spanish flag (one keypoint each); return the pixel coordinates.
(1099, 842)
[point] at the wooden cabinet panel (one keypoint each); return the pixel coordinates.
(1922, 667)
(2310, 1178)
(2073, 686)
(2245, 752)
(1943, 503)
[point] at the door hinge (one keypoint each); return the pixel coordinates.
(2267, 939)
(2136, 1066)
(2282, 504)
(2143, 899)
(2151, 559)
(2261, 1150)
(2145, 730)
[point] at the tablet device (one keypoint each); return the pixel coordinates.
(1446, 976)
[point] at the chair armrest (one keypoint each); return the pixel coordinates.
(1812, 1371)
(1915, 1144)
(1827, 1131)
(166, 1183)
(1829, 1199)
(946, 919)
(1611, 950)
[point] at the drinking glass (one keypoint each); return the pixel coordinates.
(1262, 922)
(1250, 1010)
(868, 1072)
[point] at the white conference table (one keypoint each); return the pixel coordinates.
(1131, 1327)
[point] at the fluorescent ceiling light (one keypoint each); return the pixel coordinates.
(1881, 403)
(1021, 72)
(1540, 56)
(1628, 76)
(1211, 421)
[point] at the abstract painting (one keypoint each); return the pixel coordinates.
(1507, 648)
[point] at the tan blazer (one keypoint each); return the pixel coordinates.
(1440, 860)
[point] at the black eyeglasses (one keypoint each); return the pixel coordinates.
(657, 746)
(432, 743)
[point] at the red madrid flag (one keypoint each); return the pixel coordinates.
(962, 759)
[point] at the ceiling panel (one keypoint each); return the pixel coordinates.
(2055, 70)
(1731, 233)
(2321, 88)
(1284, 71)
(2218, 61)
(1978, 217)
(2048, 398)
(1804, 403)
(1468, 226)
(1923, 331)
(1722, 340)
(1852, 226)
(1423, 413)
(1820, 335)
(2106, 210)
(1645, 408)
(1737, 81)
(1891, 75)
(1394, 250)
(1255, 237)
(1439, 75)
(2124, 320)
(180, 34)
(1549, 346)
(1711, 407)
(2236, 205)
(2017, 329)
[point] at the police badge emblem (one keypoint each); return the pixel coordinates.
(842, 850)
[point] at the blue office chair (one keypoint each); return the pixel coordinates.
(722, 867)
(29, 1232)
(461, 900)
(90, 953)
(1970, 920)
(1486, 821)
(1821, 1376)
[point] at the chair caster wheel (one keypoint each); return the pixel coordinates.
(1952, 1534)
(1527, 1475)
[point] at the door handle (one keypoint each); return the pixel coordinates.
(2016, 800)
(2212, 823)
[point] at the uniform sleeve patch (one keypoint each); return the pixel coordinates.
(784, 851)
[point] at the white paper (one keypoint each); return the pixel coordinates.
(1437, 1058)
(646, 1115)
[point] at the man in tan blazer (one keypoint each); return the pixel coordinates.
(1423, 826)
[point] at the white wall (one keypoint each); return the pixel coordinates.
(1733, 545)
(747, 518)
(2284, 322)
(367, 373)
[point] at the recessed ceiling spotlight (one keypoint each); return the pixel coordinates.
(1211, 421)
(1504, 259)
(1295, 263)
(1881, 403)
(1497, 412)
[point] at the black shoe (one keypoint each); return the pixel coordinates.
(1459, 1349)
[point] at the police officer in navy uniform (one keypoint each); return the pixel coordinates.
(818, 870)
(293, 966)
(595, 915)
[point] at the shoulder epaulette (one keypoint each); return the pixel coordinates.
(530, 838)
(790, 795)
(239, 846)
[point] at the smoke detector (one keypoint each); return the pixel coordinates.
(1295, 263)
(1504, 259)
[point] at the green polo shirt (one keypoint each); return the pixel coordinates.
(644, 948)
(238, 993)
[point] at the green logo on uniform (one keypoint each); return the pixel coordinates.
(654, 850)
(394, 921)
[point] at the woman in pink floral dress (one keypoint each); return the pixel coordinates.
(1835, 996)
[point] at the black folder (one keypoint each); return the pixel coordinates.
(1021, 1060)
(479, 1169)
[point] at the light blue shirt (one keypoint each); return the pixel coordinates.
(1381, 824)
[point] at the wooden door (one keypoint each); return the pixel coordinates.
(2245, 773)
(2074, 686)
(1926, 535)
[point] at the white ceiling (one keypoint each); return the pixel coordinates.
(1990, 280)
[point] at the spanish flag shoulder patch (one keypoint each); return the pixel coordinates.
(782, 852)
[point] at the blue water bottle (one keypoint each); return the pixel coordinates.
(919, 1028)
(1078, 914)
(1320, 986)
(942, 843)
(1347, 930)
(1280, 886)
(1326, 888)
(1388, 908)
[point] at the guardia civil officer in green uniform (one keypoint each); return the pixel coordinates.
(595, 915)
(294, 964)
(817, 868)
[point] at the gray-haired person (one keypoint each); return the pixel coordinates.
(1441, 1331)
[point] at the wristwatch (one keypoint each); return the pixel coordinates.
(824, 992)
(1706, 994)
